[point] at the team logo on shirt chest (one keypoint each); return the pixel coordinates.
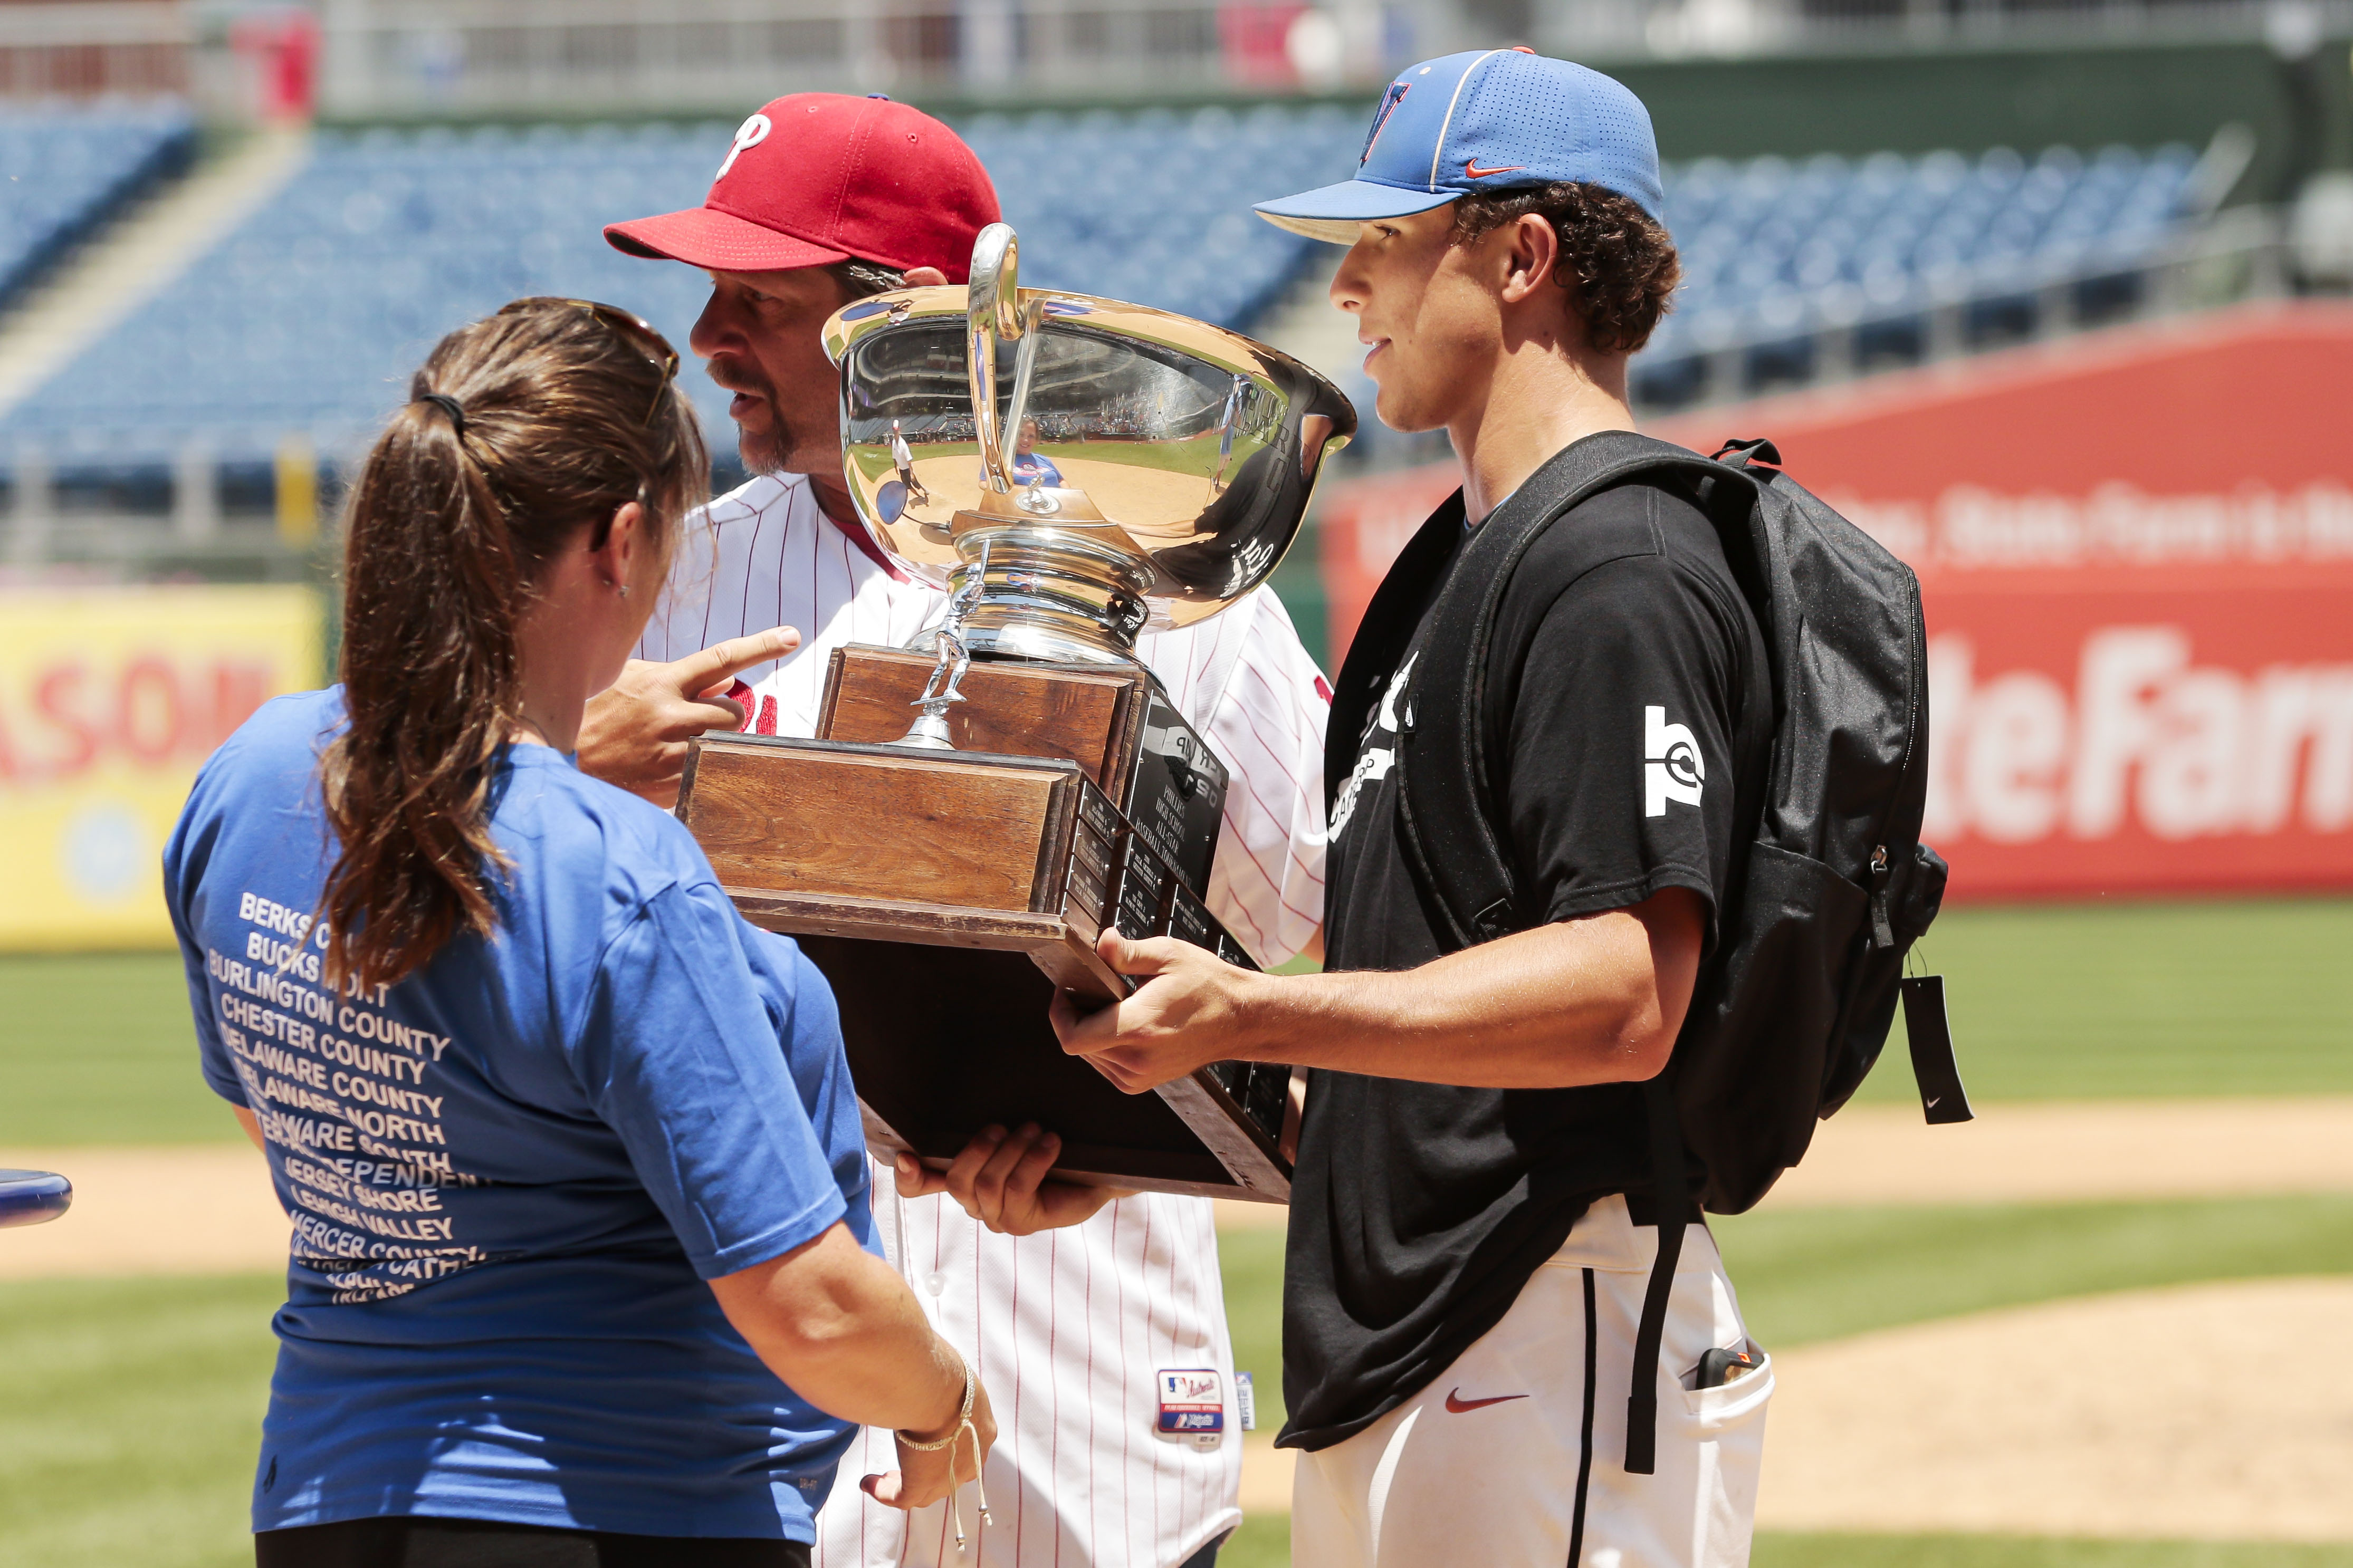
(1373, 763)
(1672, 769)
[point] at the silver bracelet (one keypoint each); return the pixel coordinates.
(955, 1430)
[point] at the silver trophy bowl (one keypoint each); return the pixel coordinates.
(1075, 470)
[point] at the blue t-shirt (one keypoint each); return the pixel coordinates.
(511, 1174)
(1029, 466)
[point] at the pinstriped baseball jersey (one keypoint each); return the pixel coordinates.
(1069, 1329)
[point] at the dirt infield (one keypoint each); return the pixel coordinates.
(199, 1208)
(2148, 1414)
(2077, 1152)
(2203, 1412)
(2058, 1151)
(2206, 1411)
(206, 1208)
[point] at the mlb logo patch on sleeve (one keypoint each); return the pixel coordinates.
(1192, 1404)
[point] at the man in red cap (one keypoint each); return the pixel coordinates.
(823, 199)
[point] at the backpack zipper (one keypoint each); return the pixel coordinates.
(1882, 931)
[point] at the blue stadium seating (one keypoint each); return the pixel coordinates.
(66, 168)
(311, 315)
(1154, 206)
(1771, 246)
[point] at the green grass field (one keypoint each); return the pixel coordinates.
(2115, 1000)
(2060, 1003)
(99, 1049)
(129, 1408)
(130, 1414)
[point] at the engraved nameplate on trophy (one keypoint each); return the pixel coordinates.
(977, 809)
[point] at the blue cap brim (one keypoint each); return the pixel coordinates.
(1331, 213)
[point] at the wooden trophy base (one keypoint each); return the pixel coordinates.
(947, 894)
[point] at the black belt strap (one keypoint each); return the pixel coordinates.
(1671, 1190)
(1585, 1441)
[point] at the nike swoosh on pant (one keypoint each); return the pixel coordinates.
(1457, 1405)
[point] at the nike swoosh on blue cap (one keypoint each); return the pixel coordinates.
(1488, 119)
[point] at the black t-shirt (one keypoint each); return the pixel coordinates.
(1629, 707)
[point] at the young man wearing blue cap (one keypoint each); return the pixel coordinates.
(1471, 1230)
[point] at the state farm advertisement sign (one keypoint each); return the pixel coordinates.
(2159, 732)
(2137, 557)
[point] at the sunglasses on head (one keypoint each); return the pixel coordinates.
(633, 329)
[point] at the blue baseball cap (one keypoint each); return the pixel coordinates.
(1489, 120)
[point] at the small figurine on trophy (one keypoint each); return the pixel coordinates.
(944, 690)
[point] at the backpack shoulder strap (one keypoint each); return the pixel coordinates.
(1448, 818)
(1447, 810)
(1380, 637)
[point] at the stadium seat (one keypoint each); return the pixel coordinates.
(69, 167)
(308, 317)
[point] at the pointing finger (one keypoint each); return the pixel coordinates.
(699, 672)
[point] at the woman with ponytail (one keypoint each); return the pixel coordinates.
(583, 1270)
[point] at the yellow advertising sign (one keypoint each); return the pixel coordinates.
(109, 700)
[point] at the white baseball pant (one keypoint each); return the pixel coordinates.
(1513, 1458)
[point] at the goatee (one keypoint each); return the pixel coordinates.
(762, 455)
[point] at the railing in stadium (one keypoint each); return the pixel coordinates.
(517, 57)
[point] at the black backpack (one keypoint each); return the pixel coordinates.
(1795, 1003)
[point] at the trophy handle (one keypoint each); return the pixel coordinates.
(993, 315)
(1024, 369)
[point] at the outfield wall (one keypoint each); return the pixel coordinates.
(2136, 552)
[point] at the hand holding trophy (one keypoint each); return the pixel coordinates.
(1075, 470)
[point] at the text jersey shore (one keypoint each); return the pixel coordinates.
(1072, 1328)
(512, 1174)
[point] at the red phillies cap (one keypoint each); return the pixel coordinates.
(821, 177)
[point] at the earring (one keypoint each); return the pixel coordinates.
(625, 590)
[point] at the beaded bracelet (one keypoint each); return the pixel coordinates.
(963, 1426)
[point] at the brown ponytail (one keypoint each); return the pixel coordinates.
(525, 428)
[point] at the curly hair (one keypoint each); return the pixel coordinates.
(1616, 261)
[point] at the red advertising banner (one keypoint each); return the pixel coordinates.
(2136, 555)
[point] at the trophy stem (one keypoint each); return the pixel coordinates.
(1063, 592)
